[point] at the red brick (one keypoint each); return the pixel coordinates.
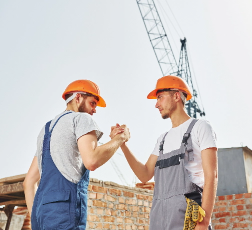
(222, 214)
(247, 195)
(239, 213)
(236, 202)
(108, 219)
(93, 218)
(249, 206)
(108, 212)
(99, 189)
(121, 207)
(92, 195)
(221, 203)
(106, 226)
(121, 200)
(115, 192)
(231, 208)
(89, 187)
(99, 196)
(99, 211)
(119, 220)
(222, 197)
(128, 194)
(239, 207)
(222, 209)
(232, 219)
(221, 226)
(99, 203)
(222, 220)
(99, 226)
(240, 225)
(238, 196)
(229, 197)
(127, 220)
(109, 198)
(130, 201)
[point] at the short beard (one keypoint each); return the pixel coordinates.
(171, 110)
(82, 108)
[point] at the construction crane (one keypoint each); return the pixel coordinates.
(184, 72)
(164, 54)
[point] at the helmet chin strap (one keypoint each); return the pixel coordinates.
(73, 96)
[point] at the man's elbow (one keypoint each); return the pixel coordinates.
(91, 166)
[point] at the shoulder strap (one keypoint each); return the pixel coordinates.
(161, 145)
(186, 144)
(58, 120)
(47, 126)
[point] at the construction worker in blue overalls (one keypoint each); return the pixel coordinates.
(183, 163)
(66, 151)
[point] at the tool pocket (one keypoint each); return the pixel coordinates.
(55, 209)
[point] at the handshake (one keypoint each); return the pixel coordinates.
(121, 131)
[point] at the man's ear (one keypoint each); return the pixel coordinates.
(177, 96)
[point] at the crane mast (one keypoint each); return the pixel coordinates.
(164, 54)
(184, 72)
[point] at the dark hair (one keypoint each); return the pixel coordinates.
(169, 90)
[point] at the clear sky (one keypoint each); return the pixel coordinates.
(45, 45)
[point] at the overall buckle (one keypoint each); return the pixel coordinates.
(161, 164)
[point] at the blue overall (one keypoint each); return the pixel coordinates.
(58, 203)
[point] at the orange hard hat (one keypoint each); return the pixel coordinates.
(85, 86)
(171, 82)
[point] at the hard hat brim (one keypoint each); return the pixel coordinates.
(153, 95)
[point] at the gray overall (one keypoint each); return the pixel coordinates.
(172, 184)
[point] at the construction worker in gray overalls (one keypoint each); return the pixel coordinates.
(183, 163)
(67, 150)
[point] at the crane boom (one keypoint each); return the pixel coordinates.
(158, 37)
(164, 54)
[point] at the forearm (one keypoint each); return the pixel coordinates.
(30, 192)
(140, 170)
(104, 152)
(208, 197)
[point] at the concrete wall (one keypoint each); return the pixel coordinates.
(231, 170)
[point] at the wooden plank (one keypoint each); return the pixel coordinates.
(2, 196)
(14, 202)
(13, 179)
(11, 188)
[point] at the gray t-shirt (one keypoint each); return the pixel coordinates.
(64, 149)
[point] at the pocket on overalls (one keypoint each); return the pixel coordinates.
(55, 209)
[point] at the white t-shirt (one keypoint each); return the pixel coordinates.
(203, 137)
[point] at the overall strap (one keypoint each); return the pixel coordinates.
(186, 145)
(161, 145)
(58, 120)
(47, 127)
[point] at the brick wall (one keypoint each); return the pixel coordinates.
(233, 212)
(112, 206)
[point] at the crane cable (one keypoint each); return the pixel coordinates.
(167, 26)
(166, 1)
(175, 18)
(195, 79)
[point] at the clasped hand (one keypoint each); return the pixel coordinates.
(122, 130)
